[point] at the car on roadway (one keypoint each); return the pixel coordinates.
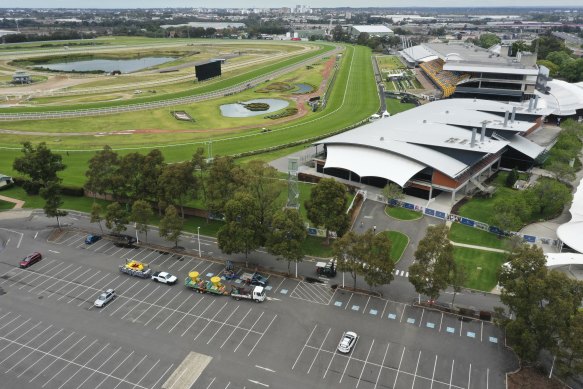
(104, 298)
(347, 342)
(164, 277)
(30, 259)
(90, 239)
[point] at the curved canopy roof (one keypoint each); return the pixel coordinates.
(370, 162)
(570, 232)
(563, 98)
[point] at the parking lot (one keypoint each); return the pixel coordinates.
(47, 356)
(376, 363)
(400, 345)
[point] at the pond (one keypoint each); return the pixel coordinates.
(107, 65)
(238, 110)
(303, 88)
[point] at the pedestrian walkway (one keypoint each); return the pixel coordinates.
(17, 203)
(471, 246)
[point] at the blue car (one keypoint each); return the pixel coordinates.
(92, 239)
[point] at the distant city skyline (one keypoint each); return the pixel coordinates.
(282, 3)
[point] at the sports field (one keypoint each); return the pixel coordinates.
(352, 98)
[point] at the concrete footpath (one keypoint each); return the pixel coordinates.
(17, 203)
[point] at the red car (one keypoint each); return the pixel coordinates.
(30, 259)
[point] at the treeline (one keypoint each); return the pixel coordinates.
(63, 34)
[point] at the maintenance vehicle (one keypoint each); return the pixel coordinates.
(327, 269)
(254, 279)
(255, 293)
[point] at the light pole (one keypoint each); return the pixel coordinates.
(198, 235)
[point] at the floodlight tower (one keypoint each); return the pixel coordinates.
(293, 191)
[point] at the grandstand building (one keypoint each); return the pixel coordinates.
(468, 71)
(371, 30)
(444, 146)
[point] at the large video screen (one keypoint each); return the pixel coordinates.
(208, 70)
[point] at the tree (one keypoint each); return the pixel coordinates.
(261, 181)
(141, 214)
(171, 225)
(96, 210)
(199, 163)
(393, 191)
(458, 277)
(520, 46)
(488, 40)
(221, 183)
(102, 168)
(52, 196)
(511, 178)
(570, 355)
(511, 213)
(129, 176)
(572, 71)
(431, 272)
(562, 171)
(338, 34)
(286, 235)
(348, 254)
(116, 218)
(327, 206)
(549, 196)
(362, 39)
(178, 184)
(553, 68)
(559, 58)
(40, 165)
(239, 234)
(379, 264)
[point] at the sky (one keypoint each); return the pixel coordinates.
(279, 3)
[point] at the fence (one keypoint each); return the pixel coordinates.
(158, 104)
(472, 223)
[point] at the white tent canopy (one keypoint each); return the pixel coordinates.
(570, 232)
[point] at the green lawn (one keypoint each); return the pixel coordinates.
(403, 213)
(389, 62)
(463, 234)
(6, 205)
(399, 242)
(82, 204)
(315, 247)
(353, 99)
(395, 106)
(481, 267)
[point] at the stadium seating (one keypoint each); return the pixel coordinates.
(445, 80)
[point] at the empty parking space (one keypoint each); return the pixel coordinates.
(316, 292)
(376, 363)
(42, 354)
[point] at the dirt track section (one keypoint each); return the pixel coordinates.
(299, 99)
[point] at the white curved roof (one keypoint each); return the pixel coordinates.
(570, 232)
(562, 259)
(564, 98)
(369, 162)
(418, 53)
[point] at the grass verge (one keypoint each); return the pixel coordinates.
(399, 242)
(463, 234)
(481, 267)
(403, 213)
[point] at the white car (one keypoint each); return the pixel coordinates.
(104, 298)
(164, 277)
(347, 342)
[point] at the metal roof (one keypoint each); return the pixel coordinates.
(488, 68)
(435, 134)
(564, 99)
(373, 29)
(570, 232)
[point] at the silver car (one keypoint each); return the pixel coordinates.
(347, 342)
(104, 298)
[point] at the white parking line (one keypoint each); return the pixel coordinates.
(128, 300)
(56, 282)
(186, 314)
(79, 239)
(278, 286)
(403, 313)
(98, 369)
(200, 317)
(167, 316)
(433, 375)
(305, 344)
(384, 309)
(160, 310)
(97, 247)
(348, 302)
(451, 375)
(113, 371)
(248, 332)
(69, 362)
(129, 372)
(57, 358)
(222, 325)
(470, 376)
(364, 309)
(144, 300)
(155, 302)
(213, 380)
(210, 321)
(421, 320)
(15, 329)
(319, 349)
(147, 373)
(261, 337)
(416, 368)
(347, 363)
(85, 365)
(9, 321)
(56, 275)
(162, 376)
(26, 344)
(236, 328)
(364, 365)
(382, 365)
(441, 322)
(33, 273)
(92, 288)
(38, 360)
(399, 368)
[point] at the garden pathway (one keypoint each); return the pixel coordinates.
(17, 203)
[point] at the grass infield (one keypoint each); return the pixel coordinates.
(481, 267)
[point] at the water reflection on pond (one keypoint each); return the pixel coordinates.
(238, 110)
(107, 65)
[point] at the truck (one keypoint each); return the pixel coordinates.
(255, 293)
(136, 269)
(327, 269)
(214, 286)
(254, 279)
